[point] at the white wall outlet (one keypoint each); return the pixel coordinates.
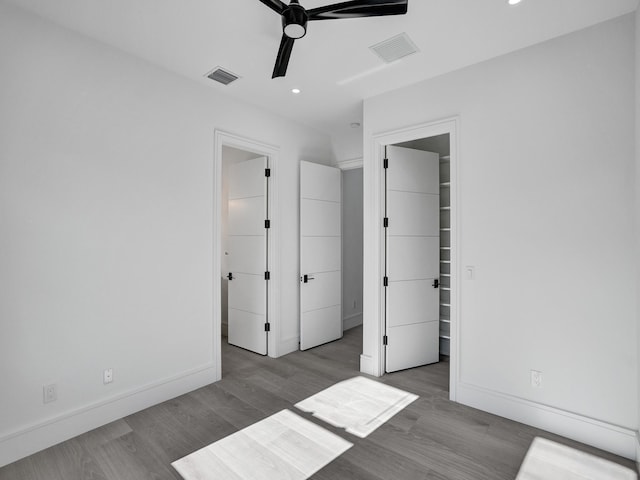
(50, 393)
(107, 376)
(536, 379)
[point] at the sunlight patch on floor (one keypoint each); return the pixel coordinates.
(358, 405)
(550, 460)
(283, 445)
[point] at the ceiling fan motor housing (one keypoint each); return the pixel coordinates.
(294, 21)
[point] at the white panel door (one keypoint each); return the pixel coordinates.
(320, 255)
(412, 258)
(248, 255)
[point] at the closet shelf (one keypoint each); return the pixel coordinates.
(445, 248)
(444, 320)
(446, 337)
(445, 304)
(446, 289)
(445, 274)
(445, 208)
(445, 184)
(445, 261)
(445, 229)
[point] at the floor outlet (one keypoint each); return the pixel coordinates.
(108, 376)
(50, 393)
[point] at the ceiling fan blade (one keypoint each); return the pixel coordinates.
(282, 61)
(359, 8)
(275, 5)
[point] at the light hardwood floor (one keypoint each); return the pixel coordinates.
(432, 438)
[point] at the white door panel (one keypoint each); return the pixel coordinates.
(320, 218)
(247, 261)
(248, 254)
(247, 216)
(413, 258)
(319, 184)
(413, 213)
(250, 328)
(412, 302)
(323, 291)
(413, 173)
(320, 326)
(324, 253)
(405, 350)
(248, 293)
(247, 179)
(320, 255)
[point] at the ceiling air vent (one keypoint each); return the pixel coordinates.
(395, 48)
(222, 76)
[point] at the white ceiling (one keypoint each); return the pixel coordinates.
(332, 64)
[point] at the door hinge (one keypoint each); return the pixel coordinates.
(267, 327)
(385, 222)
(385, 282)
(267, 172)
(385, 340)
(436, 283)
(267, 224)
(267, 275)
(385, 163)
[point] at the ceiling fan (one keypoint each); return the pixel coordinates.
(295, 18)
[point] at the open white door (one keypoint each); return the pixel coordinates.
(412, 258)
(248, 262)
(320, 255)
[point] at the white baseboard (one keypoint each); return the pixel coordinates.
(612, 438)
(286, 346)
(33, 438)
(638, 450)
(367, 366)
(352, 321)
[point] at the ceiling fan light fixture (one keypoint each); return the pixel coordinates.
(294, 21)
(294, 30)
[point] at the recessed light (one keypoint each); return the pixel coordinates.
(295, 91)
(513, 2)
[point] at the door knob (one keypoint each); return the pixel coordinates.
(230, 276)
(436, 283)
(307, 278)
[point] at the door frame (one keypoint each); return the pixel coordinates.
(223, 138)
(372, 361)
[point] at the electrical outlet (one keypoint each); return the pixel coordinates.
(536, 379)
(50, 393)
(107, 376)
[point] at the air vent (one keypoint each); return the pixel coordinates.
(395, 48)
(222, 76)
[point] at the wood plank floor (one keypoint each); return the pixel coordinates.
(432, 438)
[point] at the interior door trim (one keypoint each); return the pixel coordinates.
(372, 358)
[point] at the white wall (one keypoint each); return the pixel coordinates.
(637, 223)
(546, 205)
(106, 233)
(352, 248)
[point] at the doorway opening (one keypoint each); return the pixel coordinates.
(261, 281)
(417, 282)
(439, 137)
